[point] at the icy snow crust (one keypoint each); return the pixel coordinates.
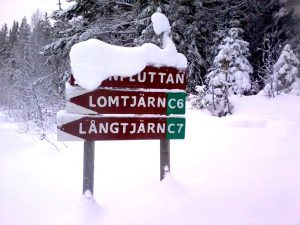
(93, 61)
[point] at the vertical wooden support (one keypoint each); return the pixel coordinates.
(164, 143)
(164, 157)
(88, 166)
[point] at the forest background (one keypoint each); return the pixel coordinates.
(241, 47)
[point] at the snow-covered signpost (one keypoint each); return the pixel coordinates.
(125, 94)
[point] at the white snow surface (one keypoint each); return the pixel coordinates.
(93, 61)
(237, 170)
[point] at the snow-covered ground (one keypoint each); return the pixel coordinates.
(242, 169)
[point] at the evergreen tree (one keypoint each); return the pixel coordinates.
(24, 47)
(4, 56)
(14, 35)
(240, 68)
(22, 57)
(25, 101)
(185, 23)
(230, 73)
(4, 46)
(4, 42)
(219, 82)
(187, 31)
(274, 22)
(47, 82)
(142, 23)
(106, 20)
(285, 76)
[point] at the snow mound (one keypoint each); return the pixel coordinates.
(160, 23)
(93, 61)
(87, 212)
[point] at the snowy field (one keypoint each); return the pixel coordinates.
(243, 169)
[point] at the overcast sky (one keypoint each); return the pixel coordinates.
(11, 10)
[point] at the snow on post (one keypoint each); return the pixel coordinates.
(160, 23)
(93, 61)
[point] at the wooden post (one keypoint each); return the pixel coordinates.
(164, 157)
(164, 143)
(88, 166)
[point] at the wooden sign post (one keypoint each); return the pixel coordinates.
(154, 104)
(88, 166)
(164, 157)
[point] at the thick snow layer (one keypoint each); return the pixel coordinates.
(160, 23)
(236, 170)
(93, 61)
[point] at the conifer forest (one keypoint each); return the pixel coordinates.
(233, 47)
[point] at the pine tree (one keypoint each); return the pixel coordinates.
(24, 46)
(4, 45)
(142, 23)
(3, 37)
(219, 82)
(47, 77)
(240, 68)
(186, 18)
(14, 35)
(285, 77)
(4, 57)
(22, 58)
(185, 23)
(109, 21)
(230, 73)
(25, 99)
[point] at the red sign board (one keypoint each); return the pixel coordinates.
(93, 128)
(107, 101)
(127, 95)
(149, 78)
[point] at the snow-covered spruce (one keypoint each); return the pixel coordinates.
(230, 73)
(93, 61)
(285, 77)
(235, 51)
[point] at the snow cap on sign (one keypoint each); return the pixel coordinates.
(93, 61)
(160, 23)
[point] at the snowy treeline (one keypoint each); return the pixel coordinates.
(232, 46)
(31, 89)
